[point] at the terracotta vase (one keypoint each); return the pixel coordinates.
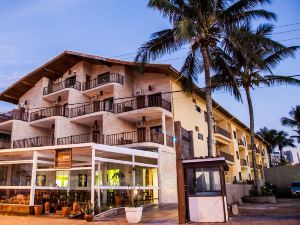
(88, 218)
(65, 211)
(47, 207)
(38, 210)
(76, 207)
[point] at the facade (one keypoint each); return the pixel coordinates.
(289, 156)
(88, 127)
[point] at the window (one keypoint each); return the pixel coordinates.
(197, 108)
(234, 134)
(240, 176)
(237, 155)
(194, 100)
(205, 116)
(62, 178)
(200, 136)
(203, 180)
(196, 128)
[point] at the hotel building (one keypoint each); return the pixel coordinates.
(88, 128)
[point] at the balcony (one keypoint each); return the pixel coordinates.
(102, 81)
(49, 112)
(16, 114)
(5, 144)
(81, 138)
(242, 144)
(61, 86)
(141, 102)
(33, 142)
(243, 162)
(134, 137)
(96, 106)
(228, 157)
(222, 135)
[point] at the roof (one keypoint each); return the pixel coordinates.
(56, 67)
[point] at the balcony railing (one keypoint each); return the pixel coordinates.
(81, 138)
(141, 102)
(96, 106)
(137, 137)
(5, 143)
(48, 112)
(241, 142)
(219, 130)
(33, 142)
(103, 79)
(62, 85)
(243, 162)
(14, 115)
(227, 156)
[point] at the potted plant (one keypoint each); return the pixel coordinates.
(38, 210)
(88, 212)
(133, 210)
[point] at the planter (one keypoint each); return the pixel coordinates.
(260, 199)
(134, 214)
(88, 218)
(65, 211)
(76, 207)
(38, 210)
(47, 207)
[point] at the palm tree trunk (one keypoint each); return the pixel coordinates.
(252, 140)
(210, 128)
(281, 155)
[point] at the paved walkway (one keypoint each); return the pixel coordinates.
(286, 212)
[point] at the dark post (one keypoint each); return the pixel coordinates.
(180, 175)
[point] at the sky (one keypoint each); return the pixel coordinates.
(33, 32)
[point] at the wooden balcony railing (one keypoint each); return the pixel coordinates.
(137, 137)
(103, 79)
(5, 144)
(81, 138)
(48, 112)
(219, 130)
(33, 142)
(243, 162)
(96, 106)
(62, 85)
(227, 156)
(241, 142)
(16, 114)
(141, 102)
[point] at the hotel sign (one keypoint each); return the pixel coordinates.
(63, 158)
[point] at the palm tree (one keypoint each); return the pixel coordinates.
(201, 25)
(245, 62)
(293, 121)
(269, 135)
(283, 140)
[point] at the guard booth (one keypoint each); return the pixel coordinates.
(200, 182)
(205, 190)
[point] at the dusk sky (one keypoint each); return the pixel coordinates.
(33, 32)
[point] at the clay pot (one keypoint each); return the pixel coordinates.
(38, 210)
(118, 200)
(88, 218)
(65, 211)
(76, 207)
(47, 207)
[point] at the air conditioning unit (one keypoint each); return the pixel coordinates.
(140, 124)
(138, 92)
(95, 98)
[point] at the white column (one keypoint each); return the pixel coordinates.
(133, 170)
(93, 178)
(98, 190)
(163, 122)
(33, 178)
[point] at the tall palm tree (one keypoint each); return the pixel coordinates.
(270, 136)
(246, 61)
(293, 121)
(201, 25)
(283, 140)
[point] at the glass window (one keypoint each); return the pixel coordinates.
(62, 178)
(203, 180)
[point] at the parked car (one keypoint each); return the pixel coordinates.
(295, 188)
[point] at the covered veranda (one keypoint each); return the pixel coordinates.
(64, 174)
